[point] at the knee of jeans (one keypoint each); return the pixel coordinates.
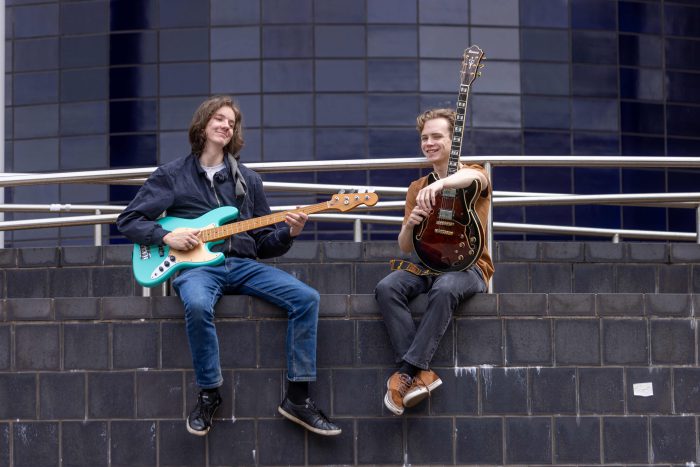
(198, 306)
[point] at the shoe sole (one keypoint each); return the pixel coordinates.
(195, 432)
(389, 404)
(298, 421)
(413, 398)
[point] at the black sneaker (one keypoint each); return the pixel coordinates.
(200, 419)
(308, 416)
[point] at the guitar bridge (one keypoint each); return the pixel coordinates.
(449, 224)
(443, 232)
(144, 252)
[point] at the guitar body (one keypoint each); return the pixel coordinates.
(154, 264)
(451, 238)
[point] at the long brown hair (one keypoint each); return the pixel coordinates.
(201, 117)
(447, 114)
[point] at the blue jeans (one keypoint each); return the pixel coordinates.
(417, 344)
(200, 288)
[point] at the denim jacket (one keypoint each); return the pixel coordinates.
(181, 189)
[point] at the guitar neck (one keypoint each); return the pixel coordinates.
(458, 132)
(213, 234)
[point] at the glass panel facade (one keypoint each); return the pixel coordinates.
(113, 83)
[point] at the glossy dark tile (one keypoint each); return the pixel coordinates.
(287, 76)
(443, 12)
(591, 181)
(339, 11)
(643, 180)
(83, 152)
(340, 41)
(132, 116)
(237, 77)
(392, 41)
(132, 151)
(683, 147)
(182, 14)
(595, 114)
(84, 17)
(133, 81)
(399, 142)
(288, 110)
(35, 88)
(35, 20)
(680, 53)
(283, 144)
(640, 50)
(682, 180)
(593, 14)
(682, 120)
(497, 142)
(133, 48)
(340, 75)
(392, 75)
(681, 20)
(84, 51)
(184, 79)
(596, 144)
(391, 11)
(488, 12)
(35, 54)
(683, 87)
(594, 81)
(641, 83)
(546, 112)
(496, 111)
(541, 143)
(640, 117)
(36, 121)
(341, 109)
(544, 13)
(84, 118)
(287, 11)
(544, 45)
(644, 218)
(126, 15)
(594, 47)
(642, 146)
(544, 78)
(230, 12)
(386, 109)
(287, 41)
(183, 45)
(235, 43)
(84, 85)
(639, 17)
(340, 143)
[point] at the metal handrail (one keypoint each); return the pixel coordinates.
(131, 176)
(118, 175)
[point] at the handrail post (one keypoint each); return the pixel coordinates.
(616, 238)
(98, 230)
(697, 224)
(489, 222)
(357, 230)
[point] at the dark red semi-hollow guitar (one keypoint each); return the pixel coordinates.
(451, 238)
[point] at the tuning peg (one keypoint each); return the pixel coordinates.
(481, 65)
(478, 74)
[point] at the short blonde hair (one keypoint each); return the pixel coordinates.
(431, 114)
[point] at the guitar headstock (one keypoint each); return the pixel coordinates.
(471, 63)
(347, 201)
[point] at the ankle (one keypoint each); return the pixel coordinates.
(298, 391)
(408, 369)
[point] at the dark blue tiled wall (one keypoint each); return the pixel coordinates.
(113, 83)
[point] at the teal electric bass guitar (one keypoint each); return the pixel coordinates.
(154, 264)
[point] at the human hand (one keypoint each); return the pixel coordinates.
(296, 222)
(182, 239)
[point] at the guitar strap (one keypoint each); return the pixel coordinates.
(238, 179)
(403, 265)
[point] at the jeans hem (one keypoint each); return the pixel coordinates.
(302, 379)
(422, 366)
(211, 386)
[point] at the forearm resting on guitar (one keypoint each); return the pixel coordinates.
(463, 178)
(182, 239)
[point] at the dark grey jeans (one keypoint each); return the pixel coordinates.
(417, 344)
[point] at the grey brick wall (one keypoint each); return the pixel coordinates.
(93, 374)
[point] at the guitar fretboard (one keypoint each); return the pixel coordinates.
(458, 132)
(219, 233)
